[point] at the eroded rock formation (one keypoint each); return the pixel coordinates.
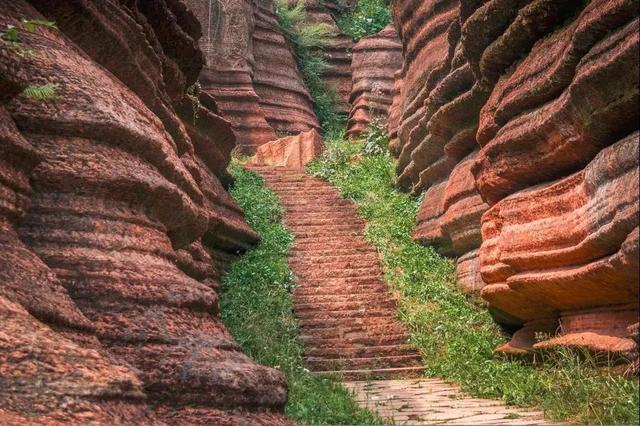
(277, 81)
(376, 58)
(116, 225)
(251, 72)
(292, 152)
(526, 150)
(227, 44)
(337, 54)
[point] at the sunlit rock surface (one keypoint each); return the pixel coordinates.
(507, 118)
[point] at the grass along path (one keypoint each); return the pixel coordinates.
(257, 309)
(456, 336)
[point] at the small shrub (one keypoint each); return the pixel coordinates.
(376, 140)
(368, 17)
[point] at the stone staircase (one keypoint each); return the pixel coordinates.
(346, 314)
(347, 319)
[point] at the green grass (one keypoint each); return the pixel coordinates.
(257, 309)
(368, 17)
(455, 335)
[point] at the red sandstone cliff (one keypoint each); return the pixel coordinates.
(338, 53)
(507, 116)
(251, 72)
(277, 81)
(227, 44)
(115, 225)
(376, 58)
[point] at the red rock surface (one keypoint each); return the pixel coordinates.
(510, 105)
(338, 54)
(283, 96)
(227, 43)
(124, 226)
(292, 152)
(376, 58)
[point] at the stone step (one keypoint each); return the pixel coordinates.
(340, 309)
(368, 298)
(386, 337)
(370, 363)
(338, 288)
(375, 314)
(374, 374)
(367, 323)
(353, 351)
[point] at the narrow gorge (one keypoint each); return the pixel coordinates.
(274, 212)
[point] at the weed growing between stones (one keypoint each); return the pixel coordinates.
(257, 308)
(455, 335)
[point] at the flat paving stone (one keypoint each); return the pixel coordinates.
(432, 401)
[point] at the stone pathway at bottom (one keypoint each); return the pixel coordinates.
(432, 402)
(347, 315)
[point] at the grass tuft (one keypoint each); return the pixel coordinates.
(367, 18)
(455, 335)
(257, 309)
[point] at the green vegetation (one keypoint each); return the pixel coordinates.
(257, 307)
(456, 336)
(368, 17)
(308, 42)
(41, 93)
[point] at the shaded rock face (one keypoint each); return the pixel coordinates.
(251, 72)
(292, 152)
(277, 81)
(376, 59)
(115, 225)
(338, 54)
(227, 43)
(507, 118)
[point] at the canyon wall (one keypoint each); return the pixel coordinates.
(376, 59)
(507, 117)
(277, 80)
(251, 72)
(338, 54)
(115, 224)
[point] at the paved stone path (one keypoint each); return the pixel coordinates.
(347, 316)
(432, 401)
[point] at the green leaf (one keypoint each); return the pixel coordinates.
(45, 92)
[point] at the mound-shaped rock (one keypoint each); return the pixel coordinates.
(510, 106)
(376, 58)
(118, 179)
(433, 134)
(292, 152)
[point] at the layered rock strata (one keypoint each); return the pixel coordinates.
(512, 126)
(376, 58)
(285, 100)
(338, 54)
(116, 218)
(227, 43)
